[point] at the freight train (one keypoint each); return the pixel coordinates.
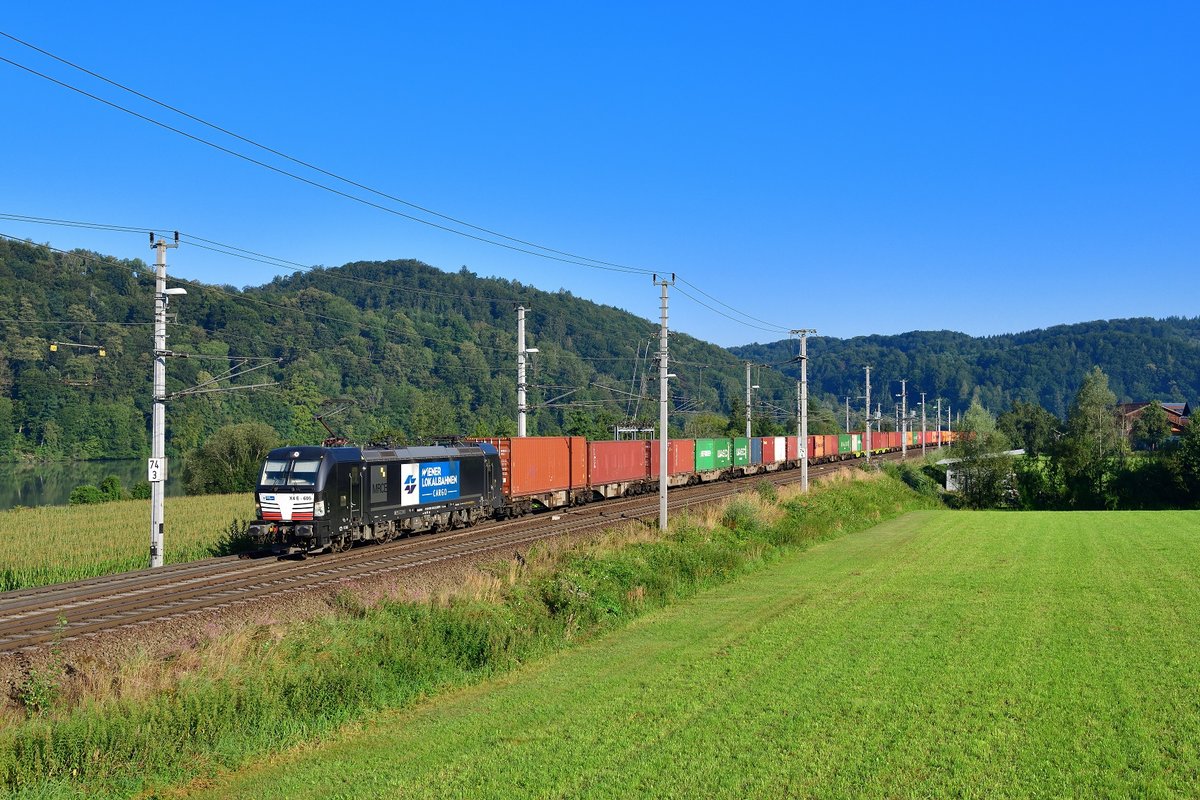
(313, 499)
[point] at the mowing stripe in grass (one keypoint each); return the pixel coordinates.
(942, 654)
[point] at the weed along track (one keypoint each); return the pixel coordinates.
(33, 618)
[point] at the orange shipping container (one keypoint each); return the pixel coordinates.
(681, 456)
(830, 445)
(534, 465)
(616, 462)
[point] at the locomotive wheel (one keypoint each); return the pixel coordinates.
(340, 544)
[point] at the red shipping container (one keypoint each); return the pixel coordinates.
(681, 457)
(616, 462)
(535, 465)
(793, 448)
(768, 445)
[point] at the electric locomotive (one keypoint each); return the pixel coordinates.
(312, 499)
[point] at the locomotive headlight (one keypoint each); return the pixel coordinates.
(319, 508)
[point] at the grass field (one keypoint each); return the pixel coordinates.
(941, 654)
(51, 544)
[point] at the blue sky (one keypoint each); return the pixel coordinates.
(1002, 166)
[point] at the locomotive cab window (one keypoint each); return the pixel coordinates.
(304, 473)
(290, 472)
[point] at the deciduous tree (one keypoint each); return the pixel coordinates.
(229, 460)
(984, 472)
(1029, 426)
(1093, 448)
(1151, 429)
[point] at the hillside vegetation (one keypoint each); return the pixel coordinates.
(420, 352)
(1144, 359)
(423, 353)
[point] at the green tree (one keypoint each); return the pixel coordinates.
(229, 460)
(1151, 429)
(8, 431)
(1187, 463)
(1029, 426)
(87, 494)
(705, 425)
(984, 472)
(110, 487)
(1093, 447)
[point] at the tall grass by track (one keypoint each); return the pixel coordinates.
(52, 544)
(271, 688)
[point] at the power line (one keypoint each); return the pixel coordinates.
(311, 166)
(268, 260)
(317, 184)
(731, 308)
(548, 252)
(727, 316)
(206, 287)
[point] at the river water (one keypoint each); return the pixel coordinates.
(51, 484)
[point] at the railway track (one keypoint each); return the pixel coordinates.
(32, 618)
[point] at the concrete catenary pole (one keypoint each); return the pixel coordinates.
(903, 419)
(802, 405)
(662, 407)
(522, 407)
(158, 426)
(747, 399)
(922, 424)
(867, 432)
(939, 423)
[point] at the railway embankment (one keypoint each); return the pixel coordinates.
(221, 701)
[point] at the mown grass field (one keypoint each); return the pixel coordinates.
(51, 544)
(941, 654)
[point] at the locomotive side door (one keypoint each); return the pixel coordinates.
(356, 496)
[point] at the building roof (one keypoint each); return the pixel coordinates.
(1176, 409)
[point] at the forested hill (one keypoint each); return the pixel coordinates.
(1144, 358)
(417, 352)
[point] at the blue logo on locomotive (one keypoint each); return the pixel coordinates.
(439, 481)
(430, 482)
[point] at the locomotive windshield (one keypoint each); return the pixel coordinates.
(290, 472)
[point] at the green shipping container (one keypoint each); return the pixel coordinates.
(844, 443)
(741, 452)
(724, 453)
(705, 455)
(856, 442)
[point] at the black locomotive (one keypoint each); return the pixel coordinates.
(310, 499)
